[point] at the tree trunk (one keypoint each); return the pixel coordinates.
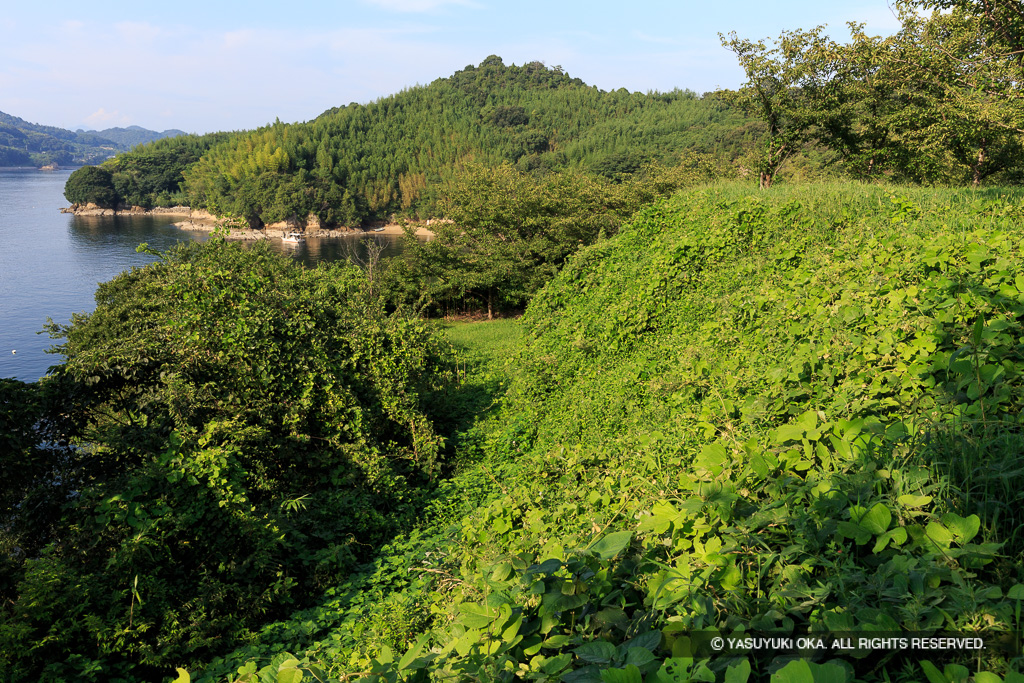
(978, 163)
(490, 304)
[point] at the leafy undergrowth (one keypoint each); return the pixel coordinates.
(793, 414)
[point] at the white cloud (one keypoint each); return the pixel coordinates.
(101, 118)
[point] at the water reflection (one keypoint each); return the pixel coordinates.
(119, 235)
(102, 233)
(353, 248)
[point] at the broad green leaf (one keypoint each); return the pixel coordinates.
(413, 652)
(1016, 592)
(877, 519)
(639, 656)
(738, 673)
(596, 652)
(702, 674)
(630, 674)
(912, 501)
(465, 644)
(963, 529)
(611, 545)
(501, 571)
(549, 566)
(956, 673)
(939, 534)
(532, 645)
(474, 616)
(556, 641)
(790, 432)
(712, 455)
(762, 466)
(649, 641)
(987, 677)
(797, 671)
(855, 531)
(555, 664)
(512, 630)
(291, 675)
(682, 670)
(802, 671)
(932, 673)
(898, 536)
(587, 674)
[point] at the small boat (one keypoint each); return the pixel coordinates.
(378, 229)
(293, 238)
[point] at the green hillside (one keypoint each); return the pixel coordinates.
(360, 162)
(791, 413)
(134, 135)
(30, 144)
(367, 161)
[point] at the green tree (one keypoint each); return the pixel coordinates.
(792, 88)
(92, 184)
(939, 101)
(507, 233)
(969, 55)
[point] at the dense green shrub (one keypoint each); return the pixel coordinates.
(92, 184)
(247, 431)
(507, 233)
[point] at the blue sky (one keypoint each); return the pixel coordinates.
(228, 65)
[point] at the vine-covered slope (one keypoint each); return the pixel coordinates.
(792, 413)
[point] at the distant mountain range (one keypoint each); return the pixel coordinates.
(132, 135)
(30, 144)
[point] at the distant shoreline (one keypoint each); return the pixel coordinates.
(200, 219)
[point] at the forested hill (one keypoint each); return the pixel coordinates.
(134, 135)
(30, 144)
(358, 162)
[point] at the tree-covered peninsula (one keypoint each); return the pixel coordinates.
(368, 161)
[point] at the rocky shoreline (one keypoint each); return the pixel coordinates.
(200, 219)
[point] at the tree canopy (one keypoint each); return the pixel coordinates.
(92, 184)
(937, 102)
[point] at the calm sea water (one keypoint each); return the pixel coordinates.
(50, 262)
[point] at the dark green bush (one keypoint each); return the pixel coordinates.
(247, 432)
(92, 184)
